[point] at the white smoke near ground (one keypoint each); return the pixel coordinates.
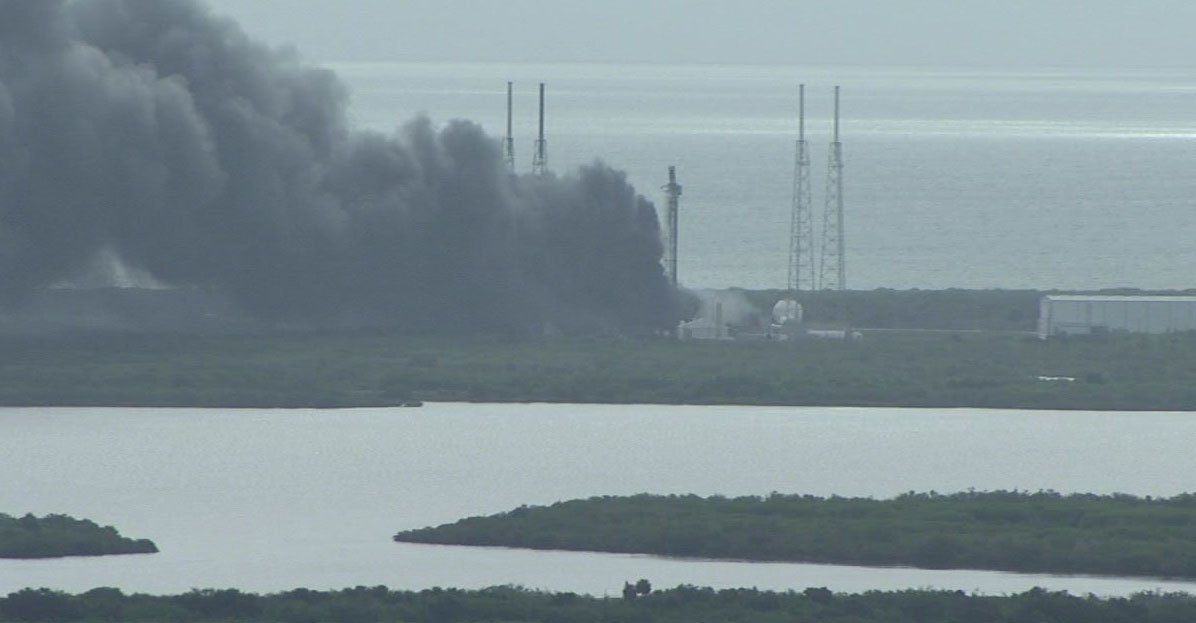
(730, 307)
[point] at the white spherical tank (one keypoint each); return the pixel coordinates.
(786, 310)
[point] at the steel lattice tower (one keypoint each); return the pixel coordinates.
(833, 268)
(508, 144)
(672, 192)
(540, 161)
(801, 228)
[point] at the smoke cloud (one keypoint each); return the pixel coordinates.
(156, 132)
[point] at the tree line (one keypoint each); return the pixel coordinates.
(684, 604)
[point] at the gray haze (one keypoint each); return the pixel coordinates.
(989, 33)
(150, 131)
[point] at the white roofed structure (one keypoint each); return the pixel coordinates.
(1084, 314)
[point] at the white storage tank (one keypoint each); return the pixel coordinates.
(786, 310)
(1083, 314)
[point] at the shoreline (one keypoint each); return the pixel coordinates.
(427, 403)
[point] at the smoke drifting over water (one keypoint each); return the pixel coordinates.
(156, 132)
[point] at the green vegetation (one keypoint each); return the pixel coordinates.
(1009, 531)
(684, 604)
(1113, 372)
(55, 536)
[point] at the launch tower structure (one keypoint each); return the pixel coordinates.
(672, 192)
(540, 160)
(801, 229)
(833, 267)
(508, 144)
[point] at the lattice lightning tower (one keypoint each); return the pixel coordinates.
(833, 268)
(801, 229)
(540, 161)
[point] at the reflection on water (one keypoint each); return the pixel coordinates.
(272, 500)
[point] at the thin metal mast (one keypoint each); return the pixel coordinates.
(801, 229)
(673, 193)
(834, 250)
(508, 145)
(540, 161)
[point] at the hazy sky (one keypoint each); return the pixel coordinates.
(995, 33)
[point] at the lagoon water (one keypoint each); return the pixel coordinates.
(955, 178)
(272, 500)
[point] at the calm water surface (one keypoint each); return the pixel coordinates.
(273, 500)
(955, 178)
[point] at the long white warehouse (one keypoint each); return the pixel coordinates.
(1084, 314)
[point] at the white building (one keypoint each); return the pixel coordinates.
(1083, 314)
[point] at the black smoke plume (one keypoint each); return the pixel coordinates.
(156, 132)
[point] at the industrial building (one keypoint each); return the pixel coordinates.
(1085, 314)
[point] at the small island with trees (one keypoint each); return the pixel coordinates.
(58, 536)
(1042, 532)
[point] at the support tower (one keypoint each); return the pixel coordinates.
(833, 268)
(508, 144)
(672, 191)
(540, 161)
(801, 228)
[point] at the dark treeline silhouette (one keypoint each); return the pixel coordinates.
(55, 536)
(1010, 531)
(684, 604)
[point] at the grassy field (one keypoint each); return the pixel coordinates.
(1131, 372)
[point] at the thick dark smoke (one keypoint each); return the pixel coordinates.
(156, 132)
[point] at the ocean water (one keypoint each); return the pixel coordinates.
(954, 178)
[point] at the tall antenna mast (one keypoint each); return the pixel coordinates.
(834, 250)
(540, 161)
(801, 228)
(672, 190)
(508, 144)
